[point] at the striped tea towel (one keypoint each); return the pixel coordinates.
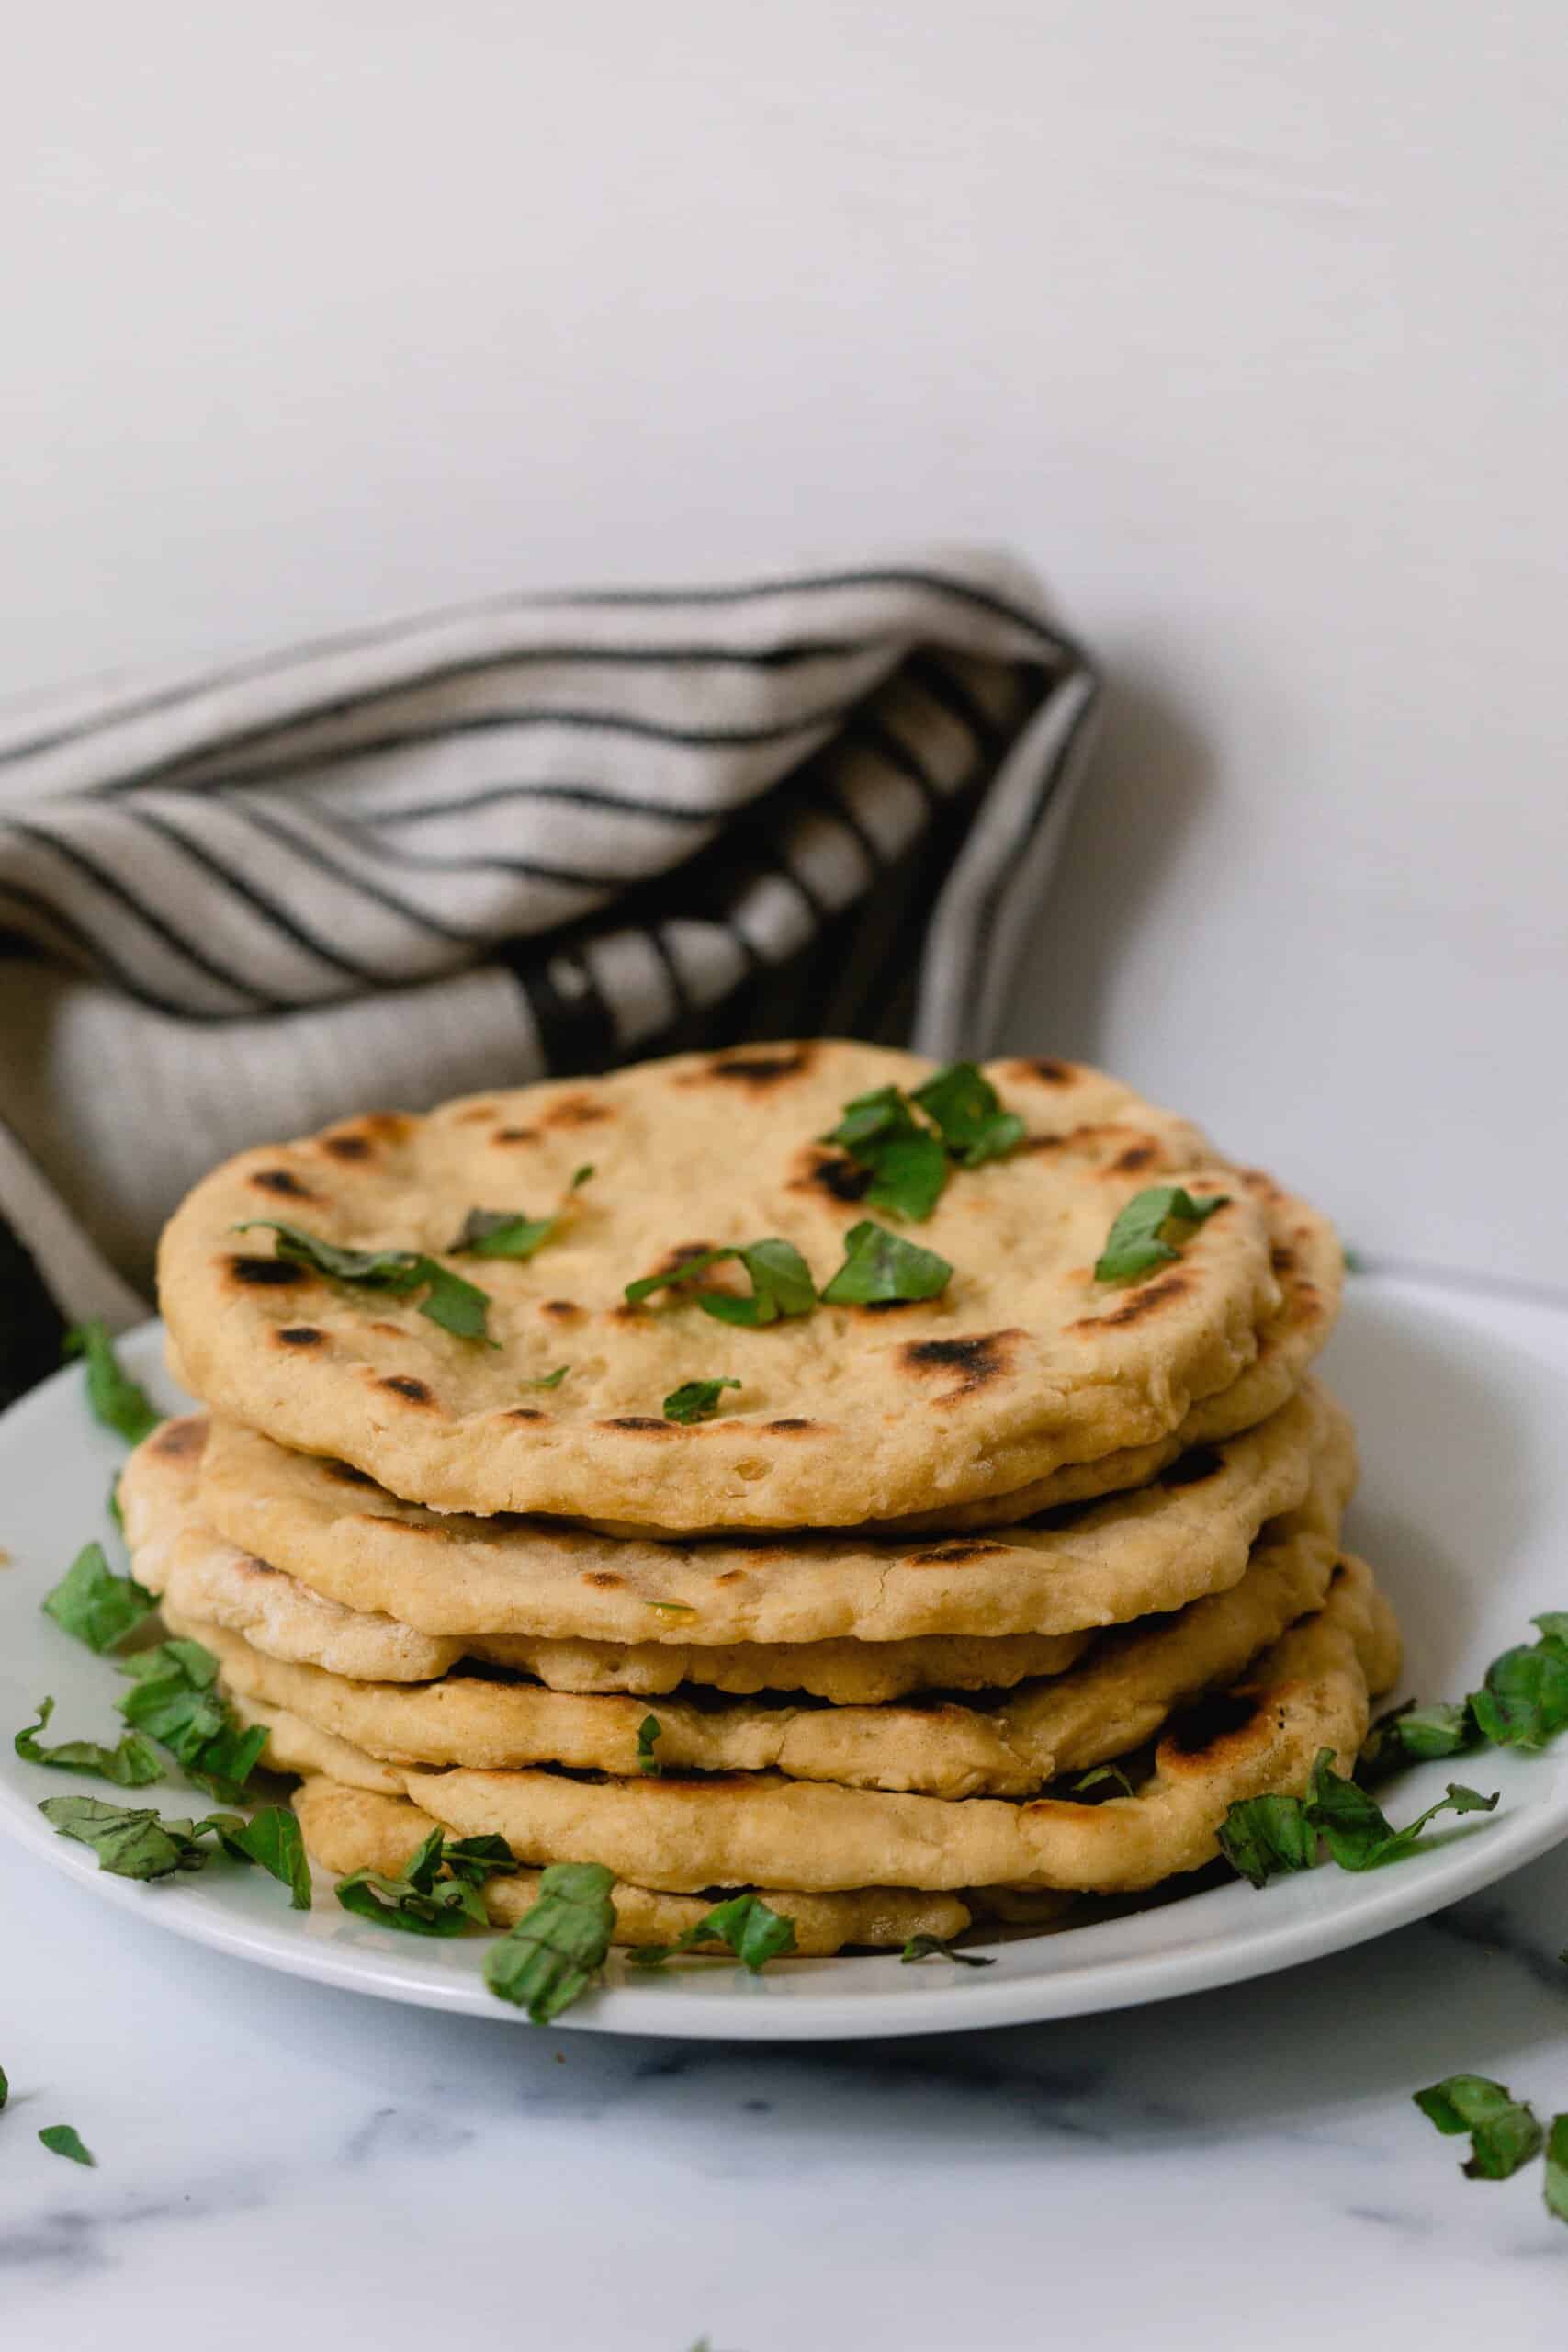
(535, 836)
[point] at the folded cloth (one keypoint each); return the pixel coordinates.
(534, 836)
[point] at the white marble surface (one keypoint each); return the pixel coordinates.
(280, 2163)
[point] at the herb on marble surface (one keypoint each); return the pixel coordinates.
(754, 1933)
(881, 1268)
(557, 1949)
(1152, 1230)
(132, 1763)
(937, 1948)
(93, 1605)
(63, 2140)
(456, 1306)
(1554, 2189)
(5, 2087)
(114, 1398)
(695, 1400)
(1503, 2132)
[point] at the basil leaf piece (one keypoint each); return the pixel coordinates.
(1261, 1837)
(113, 1396)
(1554, 2189)
(555, 1952)
(933, 1948)
(448, 1907)
(93, 1605)
(673, 1608)
(754, 1933)
(456, 1305)
(1525, 1697)
(1416, 1734)
(5, 2087)
(695, 1400)
(1503, 2132)
(1104, 1772)
(1553, 1627)
(1136, 1243)
(648, 1732)
(497, 1233)
(507, 1233)
(781, 1284)
(908, 1163)
(477, 1858)
(872, 1121)
(968, 1110)
(62, 2140)
(549, 1379)
(1357, 1834)
(129, 1842)
(911, 1175)
(879, 1267)
(132, 1763)
(174, 1701)
(272, 1838)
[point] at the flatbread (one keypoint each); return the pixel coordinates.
(1311, 1690)
(845, 1414)
(205, 1578)
(1098, 1563)
(348, 1829)
(1118, 1698)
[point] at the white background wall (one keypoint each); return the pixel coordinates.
(1246, 323)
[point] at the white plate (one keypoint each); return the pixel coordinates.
(1461, 1401)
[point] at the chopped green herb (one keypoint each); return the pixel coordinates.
(908, 1162)
(1138, 1241)
(132, 1763)
(1101, 1773)
(673, 1608)
(174, 1700)
(456, 1305)
(111, 1504)
(1261, 1837)
(114, 1396)
(754, 1933)
(419, 1901)
(96, 1606)
(648, 1732)
(695, 1400)
(1355, 1263)
(1525, 1697)
(271, 1837)
(509, 1233)
(1357, 1834)
(968, 1110)
(549, 1379)
(5, 2087)
(555, 1952)
(934, 1948)
(1503, 2132)
(781, 1284)
(879, 1267)
(62, 2140)
(1555, 2187)
(1412, 1735)
(1553, 1626)
(477, 1858)
(130, 1841)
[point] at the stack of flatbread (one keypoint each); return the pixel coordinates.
(901, 1495)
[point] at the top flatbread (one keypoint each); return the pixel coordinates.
(846, 1414)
